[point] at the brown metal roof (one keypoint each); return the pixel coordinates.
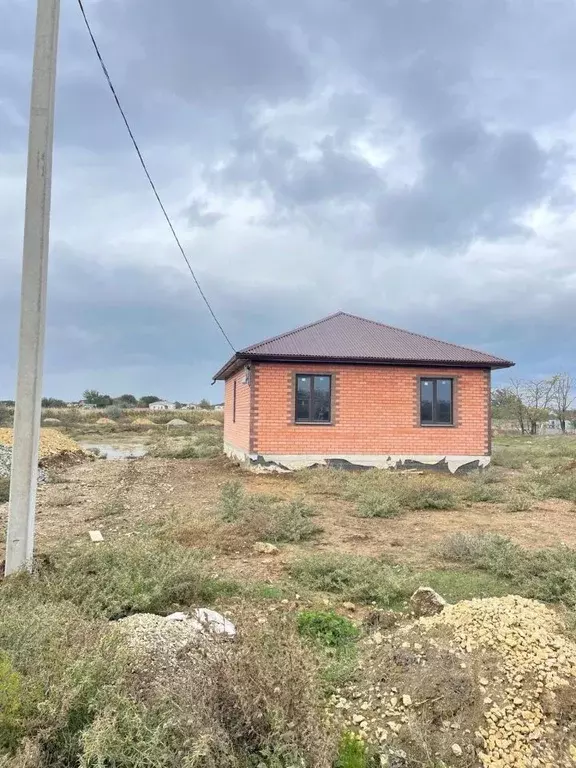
(347, 338)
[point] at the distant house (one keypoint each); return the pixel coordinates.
(350, 392)
(162, 405)
(219, 407)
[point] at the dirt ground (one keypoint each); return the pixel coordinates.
(128, 497)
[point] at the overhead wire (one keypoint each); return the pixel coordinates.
(149, 177)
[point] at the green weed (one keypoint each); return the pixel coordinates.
(327, 628)
(356, 578)
(353, 752)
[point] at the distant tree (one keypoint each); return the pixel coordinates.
(178, 405)
(535, 396)
(505, 404)
(509, 401)
(125, 401)
(53, 402)
(8, 403)
(562, 397)
(205, 404)
(93, 397)
(130, 399)
(147, 399)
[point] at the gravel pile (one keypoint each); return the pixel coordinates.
(165, 636)
(514, 704)
(155, 635)
(529, 702)
(6, 464)
(52, 442)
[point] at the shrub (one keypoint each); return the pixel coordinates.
(260, 516)
(563, 486)
(469, 548)
(10, 705)
(113, 412)
(377, 505)
(518, 502)
(4, 489)
(483, 488)
(542, 574)
(232, 500)
(361, 579)
(65, 666)
(277, 521)
(116, 579)
(71, 694)
(427, 495)
(327, 628)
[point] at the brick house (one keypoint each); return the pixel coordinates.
(346, 391)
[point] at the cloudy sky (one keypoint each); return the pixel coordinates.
(411, 161)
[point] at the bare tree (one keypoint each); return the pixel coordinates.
(537, 397)
(562, 397)
(517, 403)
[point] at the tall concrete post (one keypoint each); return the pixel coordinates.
(22, 508)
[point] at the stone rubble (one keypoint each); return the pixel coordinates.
(165, 637)
(526, 668)
(535, 663)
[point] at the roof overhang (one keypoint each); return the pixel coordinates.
(240, 359)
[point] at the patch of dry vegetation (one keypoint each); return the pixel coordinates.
(72, 693)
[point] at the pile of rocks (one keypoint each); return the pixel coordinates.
(519, 679)
(6, 464)
(166, 636)
(529, 702)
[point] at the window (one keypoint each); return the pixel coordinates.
(313, 399)
(234, 402)
(436, 401)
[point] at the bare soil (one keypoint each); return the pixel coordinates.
(127, 498)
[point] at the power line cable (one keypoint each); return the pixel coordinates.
(153, 186)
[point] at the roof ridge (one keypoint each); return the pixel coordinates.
(421, 335)
(290, 333)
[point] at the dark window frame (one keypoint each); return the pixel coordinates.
(435, 380)
(234, 401)
(312, 376)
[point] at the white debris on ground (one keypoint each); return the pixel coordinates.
(167, 635)
(214, 622)
(519, 710)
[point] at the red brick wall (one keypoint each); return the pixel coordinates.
(237, 433)
(375, 410)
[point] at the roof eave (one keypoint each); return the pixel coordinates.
(236, 362)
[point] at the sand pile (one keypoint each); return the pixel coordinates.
(52, 442)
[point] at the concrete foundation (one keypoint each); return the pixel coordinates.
(289, 463)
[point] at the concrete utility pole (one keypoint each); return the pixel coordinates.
(22, 510)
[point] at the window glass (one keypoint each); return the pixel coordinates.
(444, 401)
(303, 398)
(321, 398)
(426, 401)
